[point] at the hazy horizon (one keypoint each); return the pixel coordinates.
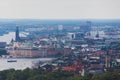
(60, 9)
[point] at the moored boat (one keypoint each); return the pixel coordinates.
(11, 60)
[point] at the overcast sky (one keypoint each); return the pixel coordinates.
(60, 9)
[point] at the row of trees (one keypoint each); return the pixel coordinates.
(40, 74)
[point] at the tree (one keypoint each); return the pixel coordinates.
(3, 52)
(38, 77)
(107, 76)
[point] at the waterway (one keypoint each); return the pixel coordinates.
(11, 35)
(20, 64)
(7, 37)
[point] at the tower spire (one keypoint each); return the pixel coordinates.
(17, 38)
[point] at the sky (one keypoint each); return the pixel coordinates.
(60, 9)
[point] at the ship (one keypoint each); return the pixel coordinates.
(11, 60)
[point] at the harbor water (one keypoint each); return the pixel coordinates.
(20, 64)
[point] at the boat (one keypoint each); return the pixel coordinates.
(11, 60)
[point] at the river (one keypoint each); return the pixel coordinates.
(20, 64)
(11, 35)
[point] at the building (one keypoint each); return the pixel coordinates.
(3, 44)
(79, 35)
(17, 37)
(86, 27)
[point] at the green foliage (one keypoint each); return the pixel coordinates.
(40, 74)
(38, 77)
(88, 76)
(78, 78)
(107, 76)
(3, 52)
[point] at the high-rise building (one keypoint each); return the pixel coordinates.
(17, 37)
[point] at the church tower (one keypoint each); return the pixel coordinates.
(17, 37)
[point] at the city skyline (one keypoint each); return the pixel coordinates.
(60, 9)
